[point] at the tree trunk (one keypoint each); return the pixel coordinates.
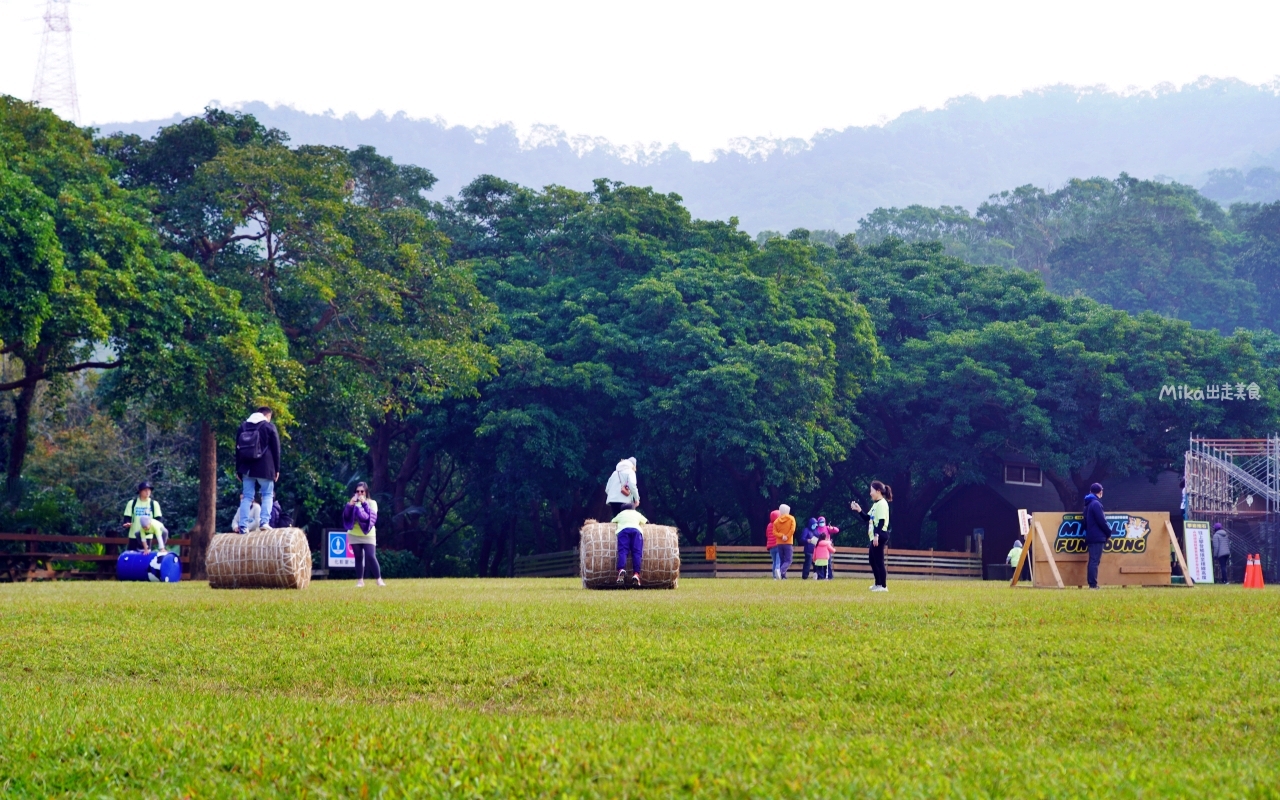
(21, 435)
(206, 502)
(910, 507)
(1067, 491)
(380, 455)
(408, 468)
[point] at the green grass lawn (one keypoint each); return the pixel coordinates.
(722, 688)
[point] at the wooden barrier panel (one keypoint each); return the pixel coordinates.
(1136, 555)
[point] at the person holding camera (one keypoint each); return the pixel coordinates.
(359, 519)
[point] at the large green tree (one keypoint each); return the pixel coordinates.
(630, 328)
(332, 250)
(88, 285)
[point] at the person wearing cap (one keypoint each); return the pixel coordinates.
(1096, 531)
(784, 533)
(1222, 551)
(622, 491)
(142, 518)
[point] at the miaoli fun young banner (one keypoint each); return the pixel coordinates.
(1137, 554)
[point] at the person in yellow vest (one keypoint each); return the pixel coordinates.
(142, 518)
(878, 530)
(1015, 553)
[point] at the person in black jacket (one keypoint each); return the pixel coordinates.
(257, 466)
(1096, 530)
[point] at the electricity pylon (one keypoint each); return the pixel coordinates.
(55, 86)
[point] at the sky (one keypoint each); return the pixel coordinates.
(697, 73)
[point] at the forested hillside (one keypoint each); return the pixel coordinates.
(958, 155)
(1135, 245)
(484, 361)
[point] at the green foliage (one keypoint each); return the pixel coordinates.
(1135, 245)
(985, 361)
(630, 328)
(88, 285)
(719, 689)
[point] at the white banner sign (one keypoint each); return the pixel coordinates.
(1199, 551)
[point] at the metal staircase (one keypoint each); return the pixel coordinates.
(1233, 476)
(1237, 482)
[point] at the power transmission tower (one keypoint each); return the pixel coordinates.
(55, 86)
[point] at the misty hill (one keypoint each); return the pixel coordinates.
(1222, 135)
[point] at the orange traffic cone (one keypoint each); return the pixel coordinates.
(1250, 572)
(1257, 571)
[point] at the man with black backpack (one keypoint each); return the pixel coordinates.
(257, 466)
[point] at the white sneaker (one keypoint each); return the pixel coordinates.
(380, 582)
(777, 574)
(359, 584)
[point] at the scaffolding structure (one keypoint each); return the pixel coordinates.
(1237, 482)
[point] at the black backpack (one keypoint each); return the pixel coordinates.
(250, 443)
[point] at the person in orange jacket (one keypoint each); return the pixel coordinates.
(784, 532)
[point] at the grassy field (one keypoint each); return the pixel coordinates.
(722, 688)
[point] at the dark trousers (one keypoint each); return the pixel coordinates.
(367, 554)
(875, 555)
(1095, 558)
(1224, 569)
(786, 552)
(630, 541)
(808, 564)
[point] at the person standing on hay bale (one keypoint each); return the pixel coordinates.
(359, 518)
(622, 490)
(1096, 531)
(809, 538)
(877, 531)
(630, 540)
(771, 543)
(784, 531)
(257, 466)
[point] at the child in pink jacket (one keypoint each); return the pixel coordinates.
(823, 554)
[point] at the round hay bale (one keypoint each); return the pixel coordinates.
(275, 559)
(598, 554)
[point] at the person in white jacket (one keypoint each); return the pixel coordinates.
(623, 490)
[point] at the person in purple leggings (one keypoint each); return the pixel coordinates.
(630, 540)
(359, 519)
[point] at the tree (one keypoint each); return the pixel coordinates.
(333, 253)
(629, 328)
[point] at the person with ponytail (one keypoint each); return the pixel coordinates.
(877, 530)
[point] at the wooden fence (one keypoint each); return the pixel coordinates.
(756, 562)
(37, 551)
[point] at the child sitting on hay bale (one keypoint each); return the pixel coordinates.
(630, 540)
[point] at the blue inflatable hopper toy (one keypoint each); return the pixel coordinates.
(135, 565)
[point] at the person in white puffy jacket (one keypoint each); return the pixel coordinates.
(623, 490)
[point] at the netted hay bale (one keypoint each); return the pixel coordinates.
(659, 563)
(274, 559)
